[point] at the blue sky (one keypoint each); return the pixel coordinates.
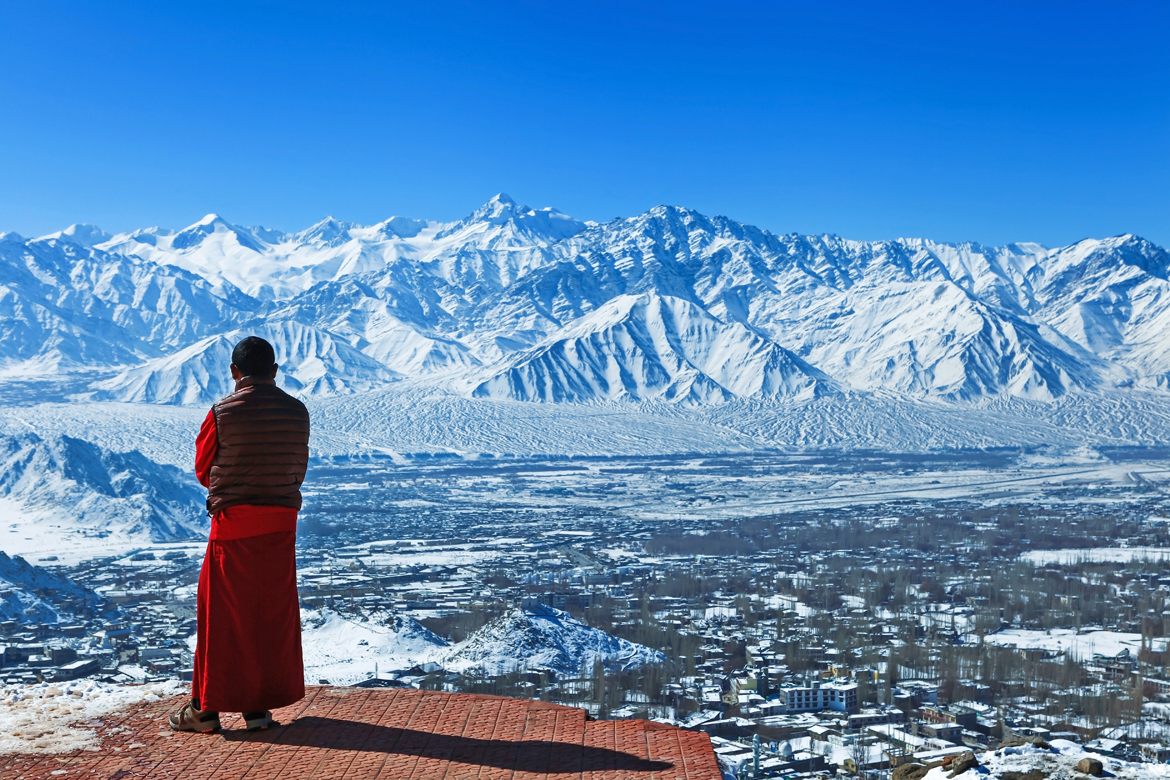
(956, 121)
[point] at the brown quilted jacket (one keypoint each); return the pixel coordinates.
(263, 435)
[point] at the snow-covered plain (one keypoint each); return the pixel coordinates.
(1080, 645)
(404, 420)
(82, 513)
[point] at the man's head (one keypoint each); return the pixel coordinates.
(253, 357)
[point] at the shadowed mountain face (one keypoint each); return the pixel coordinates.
(103, 492)
(36, 595)
(529, 304)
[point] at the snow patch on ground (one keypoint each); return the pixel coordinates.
(1065, 640)
(52, 717)
(1096, 555)
(1059, 763)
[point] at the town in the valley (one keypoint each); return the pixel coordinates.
(815, 615)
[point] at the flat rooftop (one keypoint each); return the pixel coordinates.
(385, 733)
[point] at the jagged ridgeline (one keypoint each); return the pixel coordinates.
(532, 305)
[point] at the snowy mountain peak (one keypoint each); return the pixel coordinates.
(401, 227)
(125, 241)
(82, 235)
(502, 217)
(653, 346)
(498, 210)
(212, 224)
(313, 363)
(1094, 259)
(500, 205)
(328, 230)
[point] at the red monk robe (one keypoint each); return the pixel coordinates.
(248, 656)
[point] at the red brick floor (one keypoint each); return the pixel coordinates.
(386, 733)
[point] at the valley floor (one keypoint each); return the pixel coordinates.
(405, 420)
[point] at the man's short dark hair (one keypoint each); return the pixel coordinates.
(254, 357)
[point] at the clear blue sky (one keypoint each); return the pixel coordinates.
(957, 121)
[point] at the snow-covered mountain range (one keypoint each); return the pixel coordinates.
(532, 305)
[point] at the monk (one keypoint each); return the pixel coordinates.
(251, 455)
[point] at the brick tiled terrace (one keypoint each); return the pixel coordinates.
(387, 733)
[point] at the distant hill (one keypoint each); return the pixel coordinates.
(345, 649)
(64, 492)
(36, 595)
(545, 638)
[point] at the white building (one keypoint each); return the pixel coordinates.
(815, 696)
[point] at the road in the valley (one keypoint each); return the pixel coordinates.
(848, 498)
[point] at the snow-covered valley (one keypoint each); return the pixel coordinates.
(552, 406)
(524, 332)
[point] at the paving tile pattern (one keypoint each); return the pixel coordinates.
(361, 734)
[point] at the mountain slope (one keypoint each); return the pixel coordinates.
(68, 490)
(910, 316)
(36, 595)
(63, 305)
(313, 363)
(1112, 297)
(936, 339)
(396, 318)
(649, 346)
(344, 649)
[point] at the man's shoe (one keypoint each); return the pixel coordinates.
(258, 721)
(191, 718)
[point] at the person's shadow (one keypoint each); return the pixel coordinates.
(534, 757)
